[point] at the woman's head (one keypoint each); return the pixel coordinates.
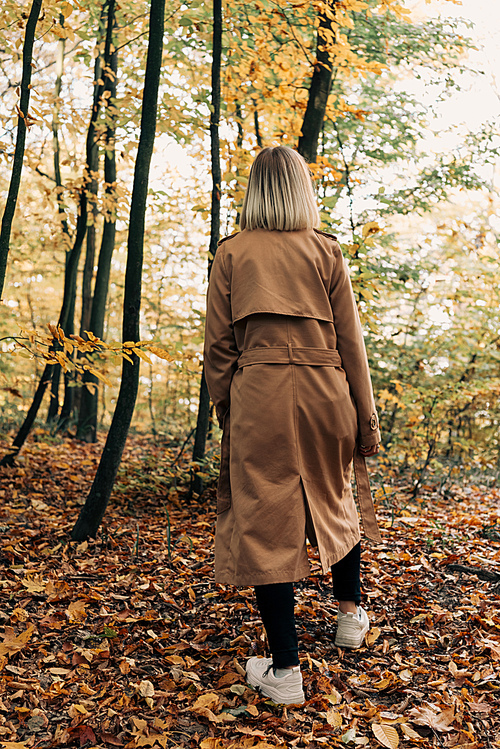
(280, 194)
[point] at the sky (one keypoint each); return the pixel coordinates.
(479, 99)
(466, 110)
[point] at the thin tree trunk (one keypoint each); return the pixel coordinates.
(95, 506)
(92, 183)
(257, 127)
(69, 293)
(92, 187)
(55, 136)
(319, 89)
(69, 390)
(87, 417)
(17, 164)
(204, 402)
(53, 409)
(69, 284)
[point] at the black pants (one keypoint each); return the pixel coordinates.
(276, 605)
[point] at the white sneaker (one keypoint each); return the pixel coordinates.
(286, 690)
(351, 629)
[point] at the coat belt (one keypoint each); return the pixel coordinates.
(316, 357)
(365, 500)
(326, 358)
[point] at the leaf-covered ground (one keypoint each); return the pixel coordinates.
(127, 642)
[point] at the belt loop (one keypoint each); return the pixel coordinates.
(290, 353)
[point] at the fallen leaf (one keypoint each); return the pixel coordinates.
(424, 716)
(373, 635)
(206, 713)
(408, 731)
(237, 689)
(34, 584)
(349, 736)
(146, 689)
(76, 611)
(13, 643)
(333, 718)
(334, 697)
(387, 735)
(239, 668)
(209, 699)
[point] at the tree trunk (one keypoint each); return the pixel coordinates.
(87, 417)
(319, 89)
(92, 182)
(95, 506)
(53, 409)
(17, 164)
(69, 285)
(69, 390)
(204, 404)
(70, 277)
(92, 187)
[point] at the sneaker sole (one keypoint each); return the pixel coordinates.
(351, 642)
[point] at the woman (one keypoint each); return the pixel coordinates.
(287, 371)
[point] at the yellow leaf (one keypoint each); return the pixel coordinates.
(99, 376)
(76, 710)
(239, 668)
(65, 9)
(408, 731)
(333, 718)
(372, 636)
(177, 660)
(142, 355)
(335, 697)
(76, 611)
(387, 735)
(370, 228)
(34, 584)
(12, 643)
(383, 683)
(160, 353)
(210, 699)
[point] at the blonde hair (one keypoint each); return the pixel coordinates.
(280, 194)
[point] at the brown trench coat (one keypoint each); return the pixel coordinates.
(287, 371)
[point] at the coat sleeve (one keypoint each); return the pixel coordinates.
(220, 352)
(351, 347)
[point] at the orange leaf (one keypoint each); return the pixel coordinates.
(12, 643)
(372, 636)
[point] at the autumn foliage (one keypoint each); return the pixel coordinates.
(127, 641)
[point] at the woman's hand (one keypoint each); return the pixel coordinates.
(367, 452)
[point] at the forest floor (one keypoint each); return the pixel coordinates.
(127, 642)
